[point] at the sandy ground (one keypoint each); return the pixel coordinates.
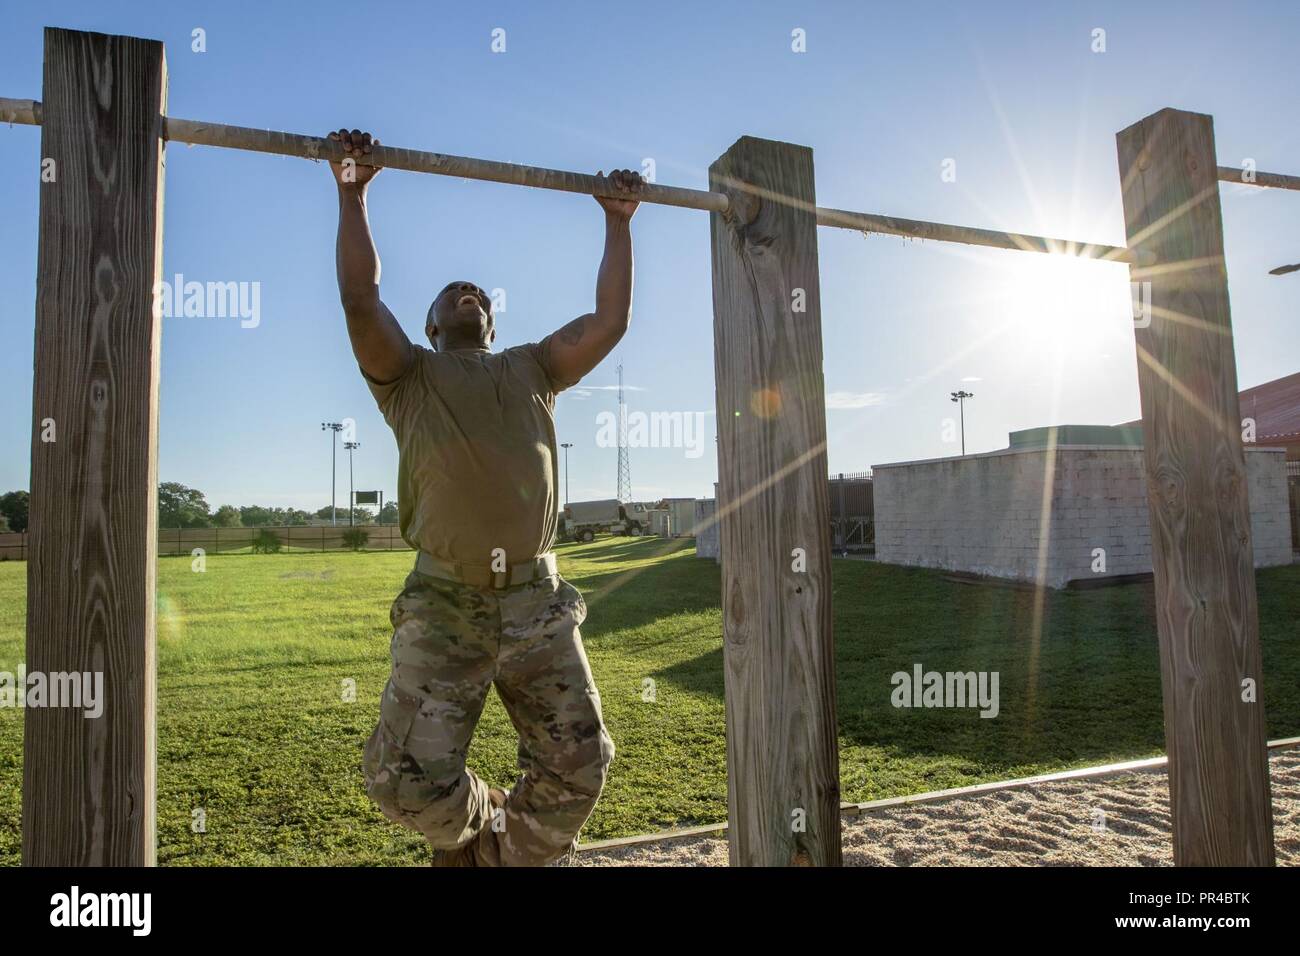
(1048, 824)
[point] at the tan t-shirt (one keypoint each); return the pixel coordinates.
(476, 444)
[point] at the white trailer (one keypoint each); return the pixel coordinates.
(683, 515)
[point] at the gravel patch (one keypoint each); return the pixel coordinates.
(1113, 821)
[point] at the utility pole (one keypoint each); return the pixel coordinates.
(335, 427)
(566, 446)
(624, 469)
(960, 397)
(351, 446)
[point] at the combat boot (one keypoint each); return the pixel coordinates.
(468, 855)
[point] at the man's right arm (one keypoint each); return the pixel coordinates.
(382, 349)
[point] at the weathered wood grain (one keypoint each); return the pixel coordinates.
(782, 755)
(1200, 518)
(88, 784)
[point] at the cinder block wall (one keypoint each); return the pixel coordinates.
(980, 513)
(986, 514)
(1100, 501)
(707, 541)
(1270, 506)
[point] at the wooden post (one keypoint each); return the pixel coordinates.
(1196, 482)
(88, 783)
(783, 761)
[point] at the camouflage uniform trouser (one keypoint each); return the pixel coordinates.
(450, 642)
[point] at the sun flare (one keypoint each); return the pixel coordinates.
(1063, 304)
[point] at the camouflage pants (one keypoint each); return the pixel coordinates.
(450, 642)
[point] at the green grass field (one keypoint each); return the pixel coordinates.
(254, 653)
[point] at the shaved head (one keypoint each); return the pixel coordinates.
(460, 317)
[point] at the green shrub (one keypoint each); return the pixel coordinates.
(355, 538)
(266, 542)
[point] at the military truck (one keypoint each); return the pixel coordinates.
(583, 520)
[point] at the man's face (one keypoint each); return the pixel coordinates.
(461, 312)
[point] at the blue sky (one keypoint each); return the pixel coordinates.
(885, 93)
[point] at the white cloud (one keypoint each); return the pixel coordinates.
(854, 399)
(972, 378)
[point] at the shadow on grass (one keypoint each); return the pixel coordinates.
(670, 582)
(645, 548)
(1078, 675)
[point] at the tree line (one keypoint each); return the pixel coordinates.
(182, 507)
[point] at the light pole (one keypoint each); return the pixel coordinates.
(566, 446)
(335, 427)
(960, 397)
(351, 446)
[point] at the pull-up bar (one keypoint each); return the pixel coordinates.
(198, 133)
(1231, 174)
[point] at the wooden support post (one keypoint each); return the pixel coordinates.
(783, 761)
(88, 782)
(1196, 483)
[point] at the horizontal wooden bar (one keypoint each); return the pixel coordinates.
(198, 133)
(442, 164)
(943, 232)
(1231, 174)
(26, 112)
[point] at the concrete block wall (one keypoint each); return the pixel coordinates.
(1099, 502)
(987, 514)
(1270, 506)
(707, 540)
(980, 514)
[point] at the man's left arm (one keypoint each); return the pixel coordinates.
(578, 347)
